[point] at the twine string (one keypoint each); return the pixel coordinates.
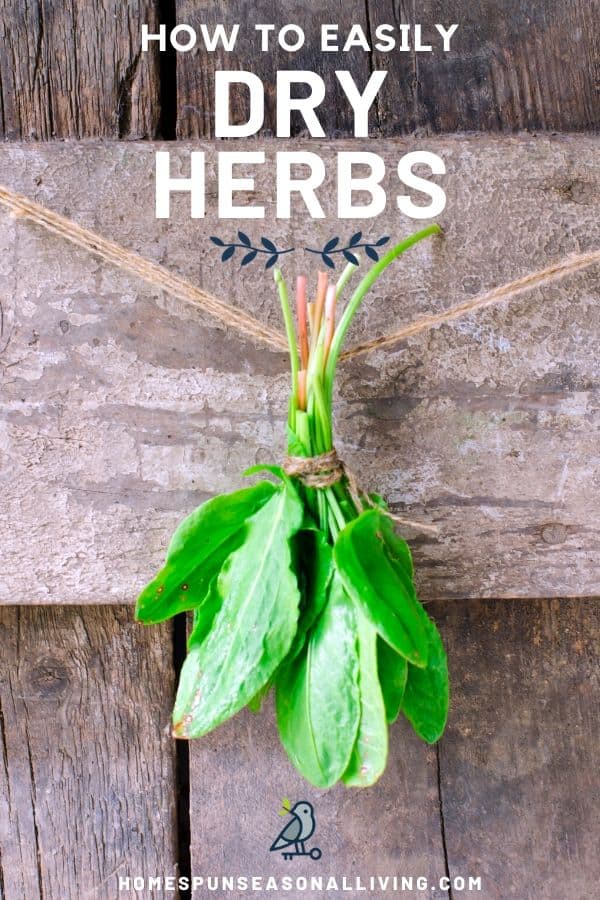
(160, 277)
(152, 273)
(568, 266)
(319, 471)
(327, 469)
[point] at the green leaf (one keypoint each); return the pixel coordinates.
(317, 695)
(369, 755)
(427, 694)
(255, 703)
(197, 551)
(373, 563)
(277, 471)
(314, 565)
(204, 614)
(393, 671)
(253, 630)
(379, 501)
(295, 446)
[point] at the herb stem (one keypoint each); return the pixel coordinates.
(344, 278)
(290, 332)
(359, 294)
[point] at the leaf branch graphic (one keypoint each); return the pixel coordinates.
(349, 250)
(269, 248)
(250, 251)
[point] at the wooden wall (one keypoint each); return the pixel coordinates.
(120, 409)
(75, 70)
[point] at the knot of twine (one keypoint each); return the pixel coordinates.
(327, 469)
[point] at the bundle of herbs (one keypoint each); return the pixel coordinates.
(303, 585)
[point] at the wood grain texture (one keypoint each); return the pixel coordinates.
(196, 69)
(513, 65)
(519, 779)
(87, 784)
(518, 791)
(75, 70)
(122, 409)
(240, 775)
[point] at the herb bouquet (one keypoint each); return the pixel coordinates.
(303, 585)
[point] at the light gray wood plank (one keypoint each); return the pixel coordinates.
(121, 409)
(87, 773)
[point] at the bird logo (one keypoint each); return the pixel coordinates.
(291, 840)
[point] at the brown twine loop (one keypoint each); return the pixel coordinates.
(327, 469)
(321, 471)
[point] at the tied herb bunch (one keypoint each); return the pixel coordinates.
(302, 585)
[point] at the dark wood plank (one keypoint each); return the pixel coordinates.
(519, 763)
(518, 774)
(75, 70)
(87, 786)
(240, 774)
(121, 409)
(513, 65)
(195, 70)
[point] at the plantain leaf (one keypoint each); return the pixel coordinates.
(199, 547)
(277, 471)
(295, 445)
(373, 564)
(255, 626)
(379, 501)
(315, 568)
(204, 614)
(317, 694)
(369, 755)
(393, 671)
(256, 702)
(427, 694)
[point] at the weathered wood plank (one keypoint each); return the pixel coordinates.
(87, 780)
(196, 69)
(519, 767)
(513, 64)
(121, 409)
(517, 773)
(77, 71)
(74, 70)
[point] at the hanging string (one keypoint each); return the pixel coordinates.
(161, 278)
